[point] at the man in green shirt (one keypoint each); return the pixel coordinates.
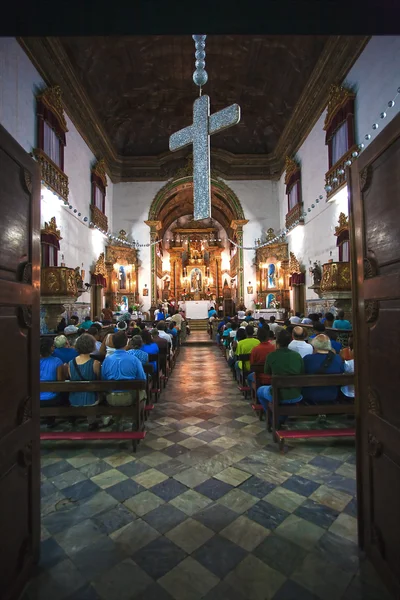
(282, 362)
(245, 347)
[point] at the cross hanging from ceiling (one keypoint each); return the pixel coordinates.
(198, 134)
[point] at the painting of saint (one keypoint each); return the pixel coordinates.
(122, 278)
(271, 276)
(195, 280)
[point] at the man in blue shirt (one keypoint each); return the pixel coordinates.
(119, 366)
(63, 350)
(211, 312)
(322, 361)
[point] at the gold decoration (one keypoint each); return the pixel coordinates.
(296, 214)
(58, 281)
(336, 277)
(294, 265)
(51, 228)
(270, 234)
(338, 96)
(343, 224)
(122, 234)
(98, 217)
(333, 172)
(51, 97)
(99, 169)
(100, 266)
(290, 167)
(51, 174)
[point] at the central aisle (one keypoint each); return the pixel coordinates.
(207, 508)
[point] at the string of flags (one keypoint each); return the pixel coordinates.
(328, 187)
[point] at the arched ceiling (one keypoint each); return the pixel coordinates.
(128, 94)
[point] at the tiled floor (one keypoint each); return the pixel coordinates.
(207, 508)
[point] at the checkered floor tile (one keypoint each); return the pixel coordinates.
(206, 508)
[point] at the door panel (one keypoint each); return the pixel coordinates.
(375, 223)
(19, 366)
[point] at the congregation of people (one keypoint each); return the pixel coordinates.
(297, 346)
(110, 347)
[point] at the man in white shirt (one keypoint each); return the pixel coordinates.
(295, 320)
(272, 325)
(162, 333)
(298, 344)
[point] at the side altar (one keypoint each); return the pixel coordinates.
(121, 264)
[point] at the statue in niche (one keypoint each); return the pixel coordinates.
(122, 278)
(316, 273)
(195, 281)
(124, 304)
(271, 301)
(78, 278)
(271, 276)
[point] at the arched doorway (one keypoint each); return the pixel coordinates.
(175, 201)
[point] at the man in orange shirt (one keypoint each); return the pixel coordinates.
(259, 353)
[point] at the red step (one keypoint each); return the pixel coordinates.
(93, 435)
(315, 433)
(257, 407)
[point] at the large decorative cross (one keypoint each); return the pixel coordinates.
(198, 134)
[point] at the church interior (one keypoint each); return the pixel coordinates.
(98, 214)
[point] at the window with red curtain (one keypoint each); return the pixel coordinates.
(340, 131)
(50, 247)
(51, 135)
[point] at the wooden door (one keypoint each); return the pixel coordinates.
(375, 223)
(19, 366)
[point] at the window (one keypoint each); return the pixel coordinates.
(344, 251)
(339, 124)
(99, 198)
(50, 244)
(52, 144)
(293, 195)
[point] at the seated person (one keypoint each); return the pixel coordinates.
(159, 313)
(119, 366)
(348, 390)
(341, 322)
(149, 346)
(298, 343)
(134, 349)
(259, 353)
(163, 334)
(249, 316)
(272, 325)
(51, 369)
(212, 312)
(296, 319)
(87, 323)
(245, 347)
(63, 350)
(241, 314)
(323, 360)
(173, 331)
(240, 335)
(107, 347)
(348, 353)
(282, 362)
(220, 329)
(96, 334)
(332, 335)
(226, 332)
(328, 320)
(85, 368)
(74, 320)
(107, 314)
(161, 342)
(307, 320)
(61, 325)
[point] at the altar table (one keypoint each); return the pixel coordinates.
(197, 309)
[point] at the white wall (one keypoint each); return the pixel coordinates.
(375, 78)
(19, 85)
(130, 209)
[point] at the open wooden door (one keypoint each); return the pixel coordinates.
(19, 366)
(375, 222)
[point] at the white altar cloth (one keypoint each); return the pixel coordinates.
(197, 309)
(279, 313)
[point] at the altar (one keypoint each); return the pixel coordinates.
(197, 309)
(279, 314)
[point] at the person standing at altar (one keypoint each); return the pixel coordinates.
(159, 313)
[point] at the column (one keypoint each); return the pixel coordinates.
(154, 227)
(238, 225)
(218, 275)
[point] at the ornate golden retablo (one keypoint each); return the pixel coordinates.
(294, 265)
(52, 98)
(343, 224)
(100, 266)
(51, 228)
(338, 96)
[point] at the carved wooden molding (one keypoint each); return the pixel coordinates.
(52, 175)
(338, 96)
(98, 218)
(295, 214)
(366, 178)
(100, 266)
(375, 447)
(336, 177)
(51, 228)
(290, 167)
(99, 169)
(52, 98)
(374, 403)
(343, 224)
(294, 265)
(336, 59)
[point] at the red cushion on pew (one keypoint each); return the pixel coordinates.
(257, 407)
(315, 433)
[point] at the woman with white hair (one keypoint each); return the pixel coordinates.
(63, 349)
(323, 360)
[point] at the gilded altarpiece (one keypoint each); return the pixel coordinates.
(272, 273)
(121, 263)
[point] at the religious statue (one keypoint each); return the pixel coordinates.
(316, 272)
(78, 278)
(271, 276)
(122, 278)
(195, 281)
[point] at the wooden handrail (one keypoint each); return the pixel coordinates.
(93, 386)
(291, 381)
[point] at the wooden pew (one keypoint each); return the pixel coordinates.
(136, 411)
(301, 409)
